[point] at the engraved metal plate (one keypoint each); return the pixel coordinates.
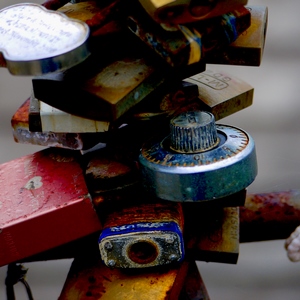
(34, 40)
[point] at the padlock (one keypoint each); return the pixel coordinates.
(185, 11)
(74, 141)
(37, 41)
(212, 233)
(217, 92)
(248, 49)
(198, 161)
(104, 89)
(88, 277)
(45, 118)
(183, 45)
(142, 235)
(44, 203)
(221, 93)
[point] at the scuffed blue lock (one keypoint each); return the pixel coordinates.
(153, 237)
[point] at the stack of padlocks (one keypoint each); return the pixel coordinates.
(126, 85)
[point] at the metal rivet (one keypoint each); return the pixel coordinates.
(170, 240)
(108, 246)
(173, 257)
(111, 263)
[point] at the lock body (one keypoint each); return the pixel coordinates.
(226, 167)
(142, 236)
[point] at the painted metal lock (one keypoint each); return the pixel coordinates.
(37, 41)
(185, 11)
(182, 45)
(75, 141)
(44, 204)
(199, 160)
(144, 235)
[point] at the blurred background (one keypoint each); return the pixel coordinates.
(263, 270)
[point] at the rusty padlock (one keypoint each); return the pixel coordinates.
(45, 204)
(143, 235)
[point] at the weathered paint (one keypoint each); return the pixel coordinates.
(143, 235)
(44, 203)
(90, 279)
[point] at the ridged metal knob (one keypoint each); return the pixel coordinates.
(193, 132)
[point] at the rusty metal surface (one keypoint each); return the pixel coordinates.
(270, 216)
(185, 45)
(248, 49)
(75, 141)
(221, 93)
(179, 12)
(92, 280)
(44, 204)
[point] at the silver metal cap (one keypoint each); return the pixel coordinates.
(193, 132)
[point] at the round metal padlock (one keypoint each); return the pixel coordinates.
(199, 160)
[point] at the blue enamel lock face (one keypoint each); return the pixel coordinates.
(223, 163)
(141, 245)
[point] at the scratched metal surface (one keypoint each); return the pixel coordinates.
(263, 271)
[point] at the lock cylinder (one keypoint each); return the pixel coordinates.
(199, 160)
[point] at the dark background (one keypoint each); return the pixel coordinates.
(263, 270)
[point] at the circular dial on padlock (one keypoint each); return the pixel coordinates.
(223, 164)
